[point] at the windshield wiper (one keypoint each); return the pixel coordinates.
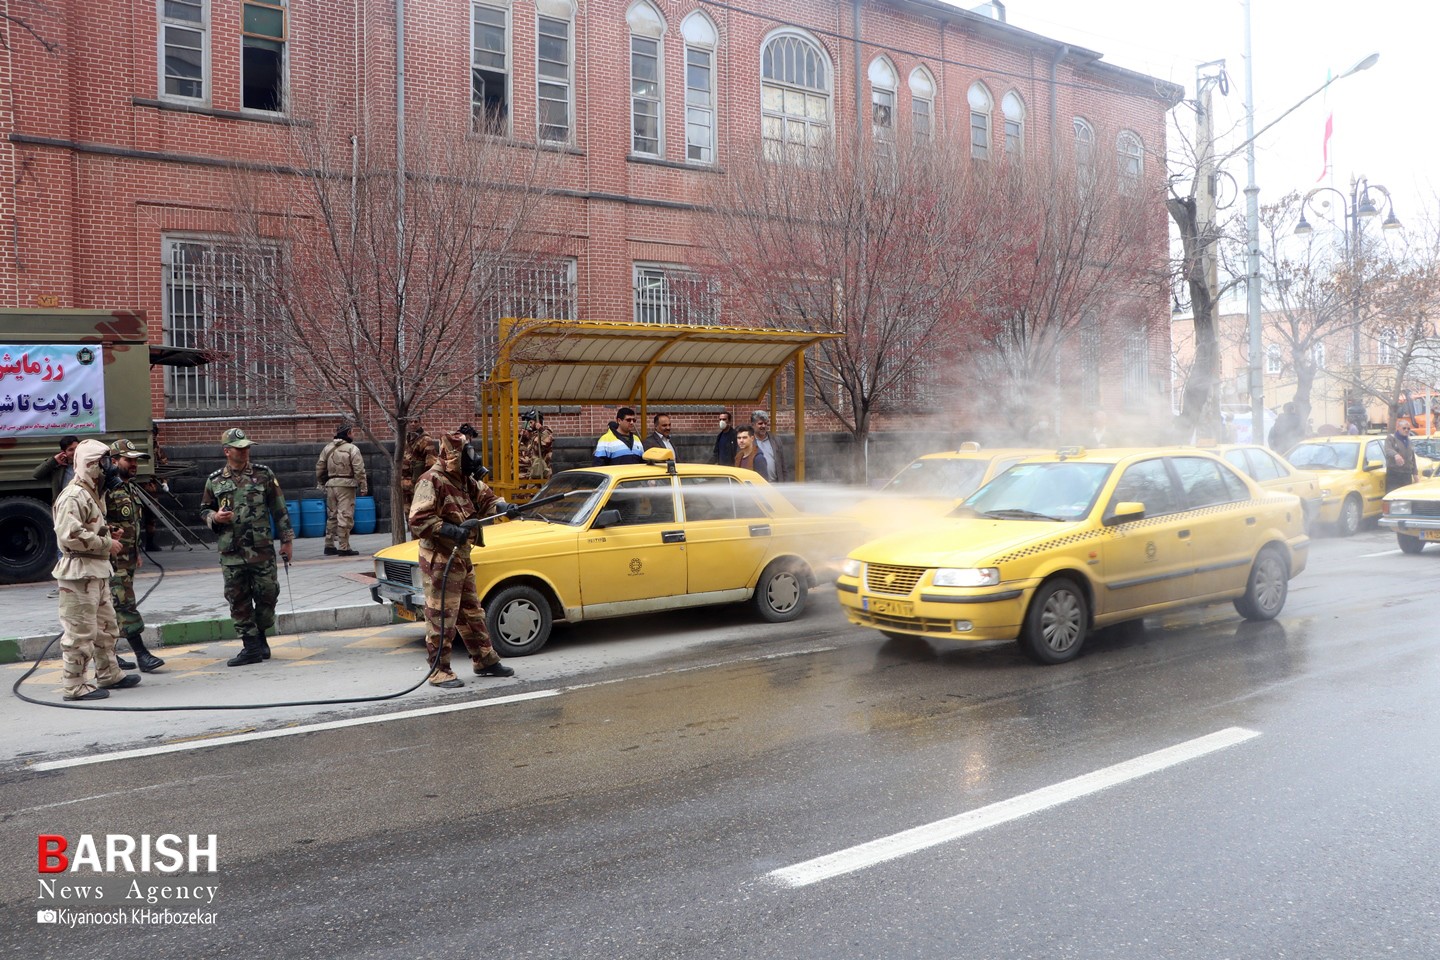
(1015, 514)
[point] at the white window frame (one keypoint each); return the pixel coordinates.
(816, 133)
(647, 26)
(503, 8)
(555, 11)
(1130, 160)
(285, 58)
(922, 105)
(655, 300)
(1274, 363)
(1012, 109)
(202, 28)
(884, 92)
(1385, 346)
(1084, 151)
(981, 120)
(700, 40)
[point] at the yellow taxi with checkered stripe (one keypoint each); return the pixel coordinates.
(1057, 546)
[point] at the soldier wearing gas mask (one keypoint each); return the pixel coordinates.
(449, 501)
(87, 647)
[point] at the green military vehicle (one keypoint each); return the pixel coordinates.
(81, 372)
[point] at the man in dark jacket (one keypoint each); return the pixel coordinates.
(725, 442)
(1400, 467)
(58, 470)
(1287, 429)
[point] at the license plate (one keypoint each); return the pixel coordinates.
(404, 613)
(1430, 535)
(893, 608)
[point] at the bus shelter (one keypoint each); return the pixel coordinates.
(640, 365)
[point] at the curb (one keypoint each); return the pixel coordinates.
(18, 649)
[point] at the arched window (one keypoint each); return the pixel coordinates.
(1013, 109)
(1130, 156)
(555, 69)
(922, 105)
(1273, 361)
(883, 82)
(1318, 355)
(794, 96)
(1385, 346)
(981, 106)
(1084, 152)
(700, 41)
(647, 76)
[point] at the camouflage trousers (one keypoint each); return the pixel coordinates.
(339, 516)
(87, 647)
(251, 589)
(127, 610)
(462, 616)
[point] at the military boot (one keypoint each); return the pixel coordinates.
(149, 663)
(123, 663)
(264, 644)
(250, 654)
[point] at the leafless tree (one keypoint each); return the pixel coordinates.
(25, 23)
(386, 288)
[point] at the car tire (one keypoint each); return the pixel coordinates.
(1056, 623)
(781, 592)
(1351, 514)
(27, 540)
(519, 621)
(1409, 544)
(1267, 588)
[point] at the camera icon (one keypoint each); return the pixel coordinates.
(46, 916)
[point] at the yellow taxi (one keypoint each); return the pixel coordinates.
(1351, 473)
(1080, 539)
(1413, 512)
(1274, 473)
(933, 485)
(614, 541)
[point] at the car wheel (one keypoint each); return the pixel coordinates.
(519, 621)
(1409, 544)
(1056, 623)
(1350, 516)
(780, 594)
(1268, 588)
(27, 540)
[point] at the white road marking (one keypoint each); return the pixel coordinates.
(202, 744)
(1385, 553)
(951, 828)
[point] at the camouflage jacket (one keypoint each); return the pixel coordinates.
(254, 494)
(440, 497)
(419, 456)
(535, 445)
(122, 512)
(81, 532)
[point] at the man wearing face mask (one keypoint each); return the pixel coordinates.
(725, 447)
(449, 501)
(87, 614)
(239, 501)
(122, 512)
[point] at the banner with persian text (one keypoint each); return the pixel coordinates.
(51, 389)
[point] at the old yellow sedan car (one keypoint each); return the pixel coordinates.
(1274, 473)
(1056, 546)
(1413, 512)
(1351, 474)
(615, 541)
(933, 485)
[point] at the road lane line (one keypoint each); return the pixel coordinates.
(951, 828)
(201, 743)
(1386, 553)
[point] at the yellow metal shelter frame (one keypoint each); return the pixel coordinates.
(591, 363)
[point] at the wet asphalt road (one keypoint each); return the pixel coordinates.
(639, 817)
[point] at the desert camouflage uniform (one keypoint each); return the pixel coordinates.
(419, 456)
(247, 552)
(536, 448)
(122, 511)
(341, 471)
(443, 495)
(87, 646)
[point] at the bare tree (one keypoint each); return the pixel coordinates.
(389, 286)
(25, 23)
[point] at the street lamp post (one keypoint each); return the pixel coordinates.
(1355, 209)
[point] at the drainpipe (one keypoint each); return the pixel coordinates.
(1054, 107)
(859, 76)
(400, 182)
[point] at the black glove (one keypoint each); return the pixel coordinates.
(512, 510)
(455, 532)
(469, 526)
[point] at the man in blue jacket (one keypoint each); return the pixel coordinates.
(620, 444)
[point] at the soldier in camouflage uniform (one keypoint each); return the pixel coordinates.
(239, 501)
(418, 456)
(122, 512)
(449, 500)
(537, 443)
(87, 646)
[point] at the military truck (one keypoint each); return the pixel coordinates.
(81, 372)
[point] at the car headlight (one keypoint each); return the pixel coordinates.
(967, 577)
(851, 567)
(1398, 508)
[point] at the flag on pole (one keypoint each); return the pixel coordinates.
(1329, 132)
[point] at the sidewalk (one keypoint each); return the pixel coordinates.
(188, 606)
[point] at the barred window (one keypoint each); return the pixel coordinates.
(540, 288)
(207, 306)
(671, 294)
(1136, 385)
(1090, 360)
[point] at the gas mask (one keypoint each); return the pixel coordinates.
(470, 465)
(111, 476)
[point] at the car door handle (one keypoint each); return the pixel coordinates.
(1184, 534)
(1249, 521)
(672, 536)
(759, 529)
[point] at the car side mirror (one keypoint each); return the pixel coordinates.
(1124, 512)
(606, 518)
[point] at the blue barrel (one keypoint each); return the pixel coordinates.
(292, 507)
(364, 514)
(312, 518)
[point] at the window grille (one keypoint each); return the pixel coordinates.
(1137, 367)
(539, 289)
(674, 295)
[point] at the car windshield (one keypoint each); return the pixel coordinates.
(576, 491)
(1325, 456)
(939, 478)
(1039, 491)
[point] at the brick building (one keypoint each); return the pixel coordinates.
(118, 148)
